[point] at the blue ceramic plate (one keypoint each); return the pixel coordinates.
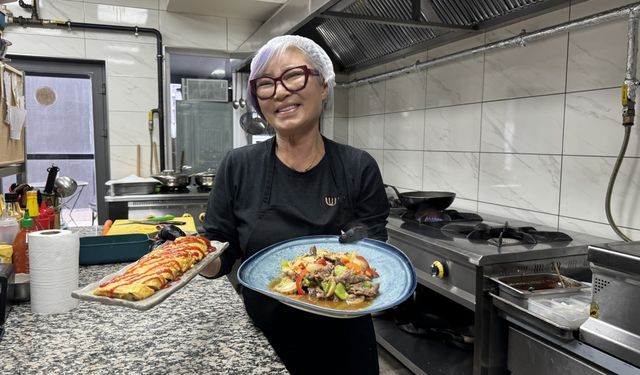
(397, 277)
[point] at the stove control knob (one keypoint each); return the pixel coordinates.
(438, 269)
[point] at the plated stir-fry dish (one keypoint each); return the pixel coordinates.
(155, 270)
(330, 279)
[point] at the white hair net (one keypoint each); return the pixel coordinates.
(316, 56)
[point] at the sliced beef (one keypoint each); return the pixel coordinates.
(360, 290)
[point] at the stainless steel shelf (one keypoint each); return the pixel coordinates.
(421, 354)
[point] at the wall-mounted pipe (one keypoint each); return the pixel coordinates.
(519, 40)
(34, 21)
(629, 87)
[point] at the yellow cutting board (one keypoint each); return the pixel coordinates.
(124, 226)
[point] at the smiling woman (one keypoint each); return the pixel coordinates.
(307, 185)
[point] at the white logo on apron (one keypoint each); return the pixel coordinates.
(331, 201)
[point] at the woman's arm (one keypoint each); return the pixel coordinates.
(220, 221)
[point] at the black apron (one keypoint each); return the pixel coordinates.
(308, 343)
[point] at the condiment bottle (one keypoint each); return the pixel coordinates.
(21, 245)
(12, 206)
(6, 253)
(8, 225)
(32, 207)
(43, 221)
(2, 204)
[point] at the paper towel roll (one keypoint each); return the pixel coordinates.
(53, 264)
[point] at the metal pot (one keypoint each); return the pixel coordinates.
(204, 179)
(171, 179)
(420, 201)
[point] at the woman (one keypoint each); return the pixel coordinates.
(296, 184)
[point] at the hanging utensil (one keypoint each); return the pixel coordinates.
(252, 123)
(236, 103)
(242, 102)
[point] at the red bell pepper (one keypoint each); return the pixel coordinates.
(299, 282)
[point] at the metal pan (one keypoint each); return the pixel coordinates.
(420, 201)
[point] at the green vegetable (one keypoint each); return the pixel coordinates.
(341, 292)
(339, 270)
(307, 282)
(284, 264)
(366, 284)
(325, 286)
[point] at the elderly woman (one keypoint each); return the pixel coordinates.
(298, 183)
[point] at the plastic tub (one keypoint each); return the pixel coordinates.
(569, 311)
(113, 249)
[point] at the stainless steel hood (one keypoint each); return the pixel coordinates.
(362, 33)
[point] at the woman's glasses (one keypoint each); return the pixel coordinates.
(293, 79)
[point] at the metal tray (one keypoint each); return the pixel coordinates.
(133, 188)
(520, 288)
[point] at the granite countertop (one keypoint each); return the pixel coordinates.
(202, 328)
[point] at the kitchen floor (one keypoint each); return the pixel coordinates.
(389, 365)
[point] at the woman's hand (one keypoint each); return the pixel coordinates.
(212, 269)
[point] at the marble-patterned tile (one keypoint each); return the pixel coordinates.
(406, 93)
(403, 62)
(379, 156)
(368, 72)
(466, 205)
(340, 102)
(125, 59)
(455, 128)
(584, 187)
(597, 56)
(404, 130)
(121, 15)
(45, 45)
(341, 130)
(531, 182)
(528, 125)
(193, 31)
(512, 213)
(369, 99)
(368, 131)
(326, 127)
(125, 160)
(148, 4)
(531, 24)
(403, 169)
(452, 171)
(351, 130)
(239, 31)
(593, 124)
(129, 129)
(581, 9)
(351, 99)
(459, 81)
(537, 69)
(132, 93)
(48, 9)
(596, 229)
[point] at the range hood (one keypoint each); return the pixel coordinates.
(361, 33)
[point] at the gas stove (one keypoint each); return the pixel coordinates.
(448, 253)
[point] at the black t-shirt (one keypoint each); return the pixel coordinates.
(239, 192)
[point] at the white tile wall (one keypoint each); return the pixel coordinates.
(526, 133)
(404, 130)
(130, 59)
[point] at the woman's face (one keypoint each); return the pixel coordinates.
(292, 112)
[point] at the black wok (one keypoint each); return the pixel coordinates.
(421, 201)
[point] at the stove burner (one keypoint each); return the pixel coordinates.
(439, 218)
(505, 235)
